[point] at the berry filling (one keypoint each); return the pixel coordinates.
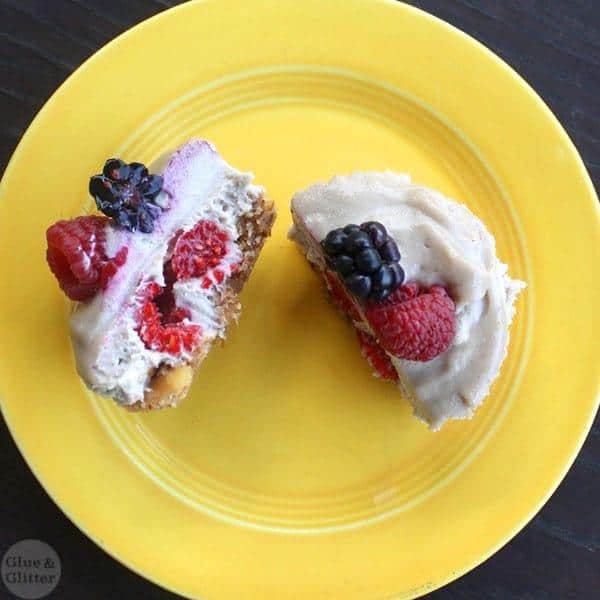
(165, 332)
(76, 255)
(201, 252)
(340, 296)
(380, 362)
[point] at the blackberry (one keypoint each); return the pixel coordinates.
(376, 232)
(389, 251)
(127, 193)
(343, 264)
(359, 285)
(357, 240)
(366, 258)
(367, 261)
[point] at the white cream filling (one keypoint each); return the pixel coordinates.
(110, 356)
(441, 242)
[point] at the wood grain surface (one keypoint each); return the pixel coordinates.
(555, 46)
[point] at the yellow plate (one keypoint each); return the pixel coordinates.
(289, 471)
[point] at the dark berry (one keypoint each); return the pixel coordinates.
(389, 251)
(150, 186)
(379, 295)
(138, 172)
(366, 258)
(383, 278)
(398, 274)
(357, 241)
(145, 222)
(101, 187)
(127, 193)
(343, 264)
(359, 285)
(125, 220)
(376, 232)
(153, 209)
(367, 261)
(116, 169)
(334, 241)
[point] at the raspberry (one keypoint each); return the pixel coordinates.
(165, 334)
(110, 267)
(77, 258)
(380, 362)
(340, 296)
(413, 323)
(402, 294)
(199, 250)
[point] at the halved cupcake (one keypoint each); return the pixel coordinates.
(418, 277)
(157, 278)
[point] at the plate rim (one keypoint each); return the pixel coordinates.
(541, 105)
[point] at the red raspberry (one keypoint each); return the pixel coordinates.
(402, 294)
(199, 250)
(340, 296)
(380, 362)
(77, 258)
(162, 334)
(413, 323)
(111, 266)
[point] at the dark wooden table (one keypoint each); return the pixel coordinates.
(555, 45)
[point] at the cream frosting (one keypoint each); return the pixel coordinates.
(441, 242)
(110, 356)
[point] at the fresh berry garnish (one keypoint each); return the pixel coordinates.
(111, 266)
(376, 231)
(200, 251)
(357, 240)
(383, 278)
(171, 333)
(340, 296)
(389, 251)
(380, 362)
(413, 323)
(128, 194)
(343, 264)
(116, 170)
(76, 255)
(367, 261)
(359, 285)
(404, 293)
(334, 242)
(366, 257)
(398, 274)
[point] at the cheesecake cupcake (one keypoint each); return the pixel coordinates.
(155, 278)
(418, 277)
